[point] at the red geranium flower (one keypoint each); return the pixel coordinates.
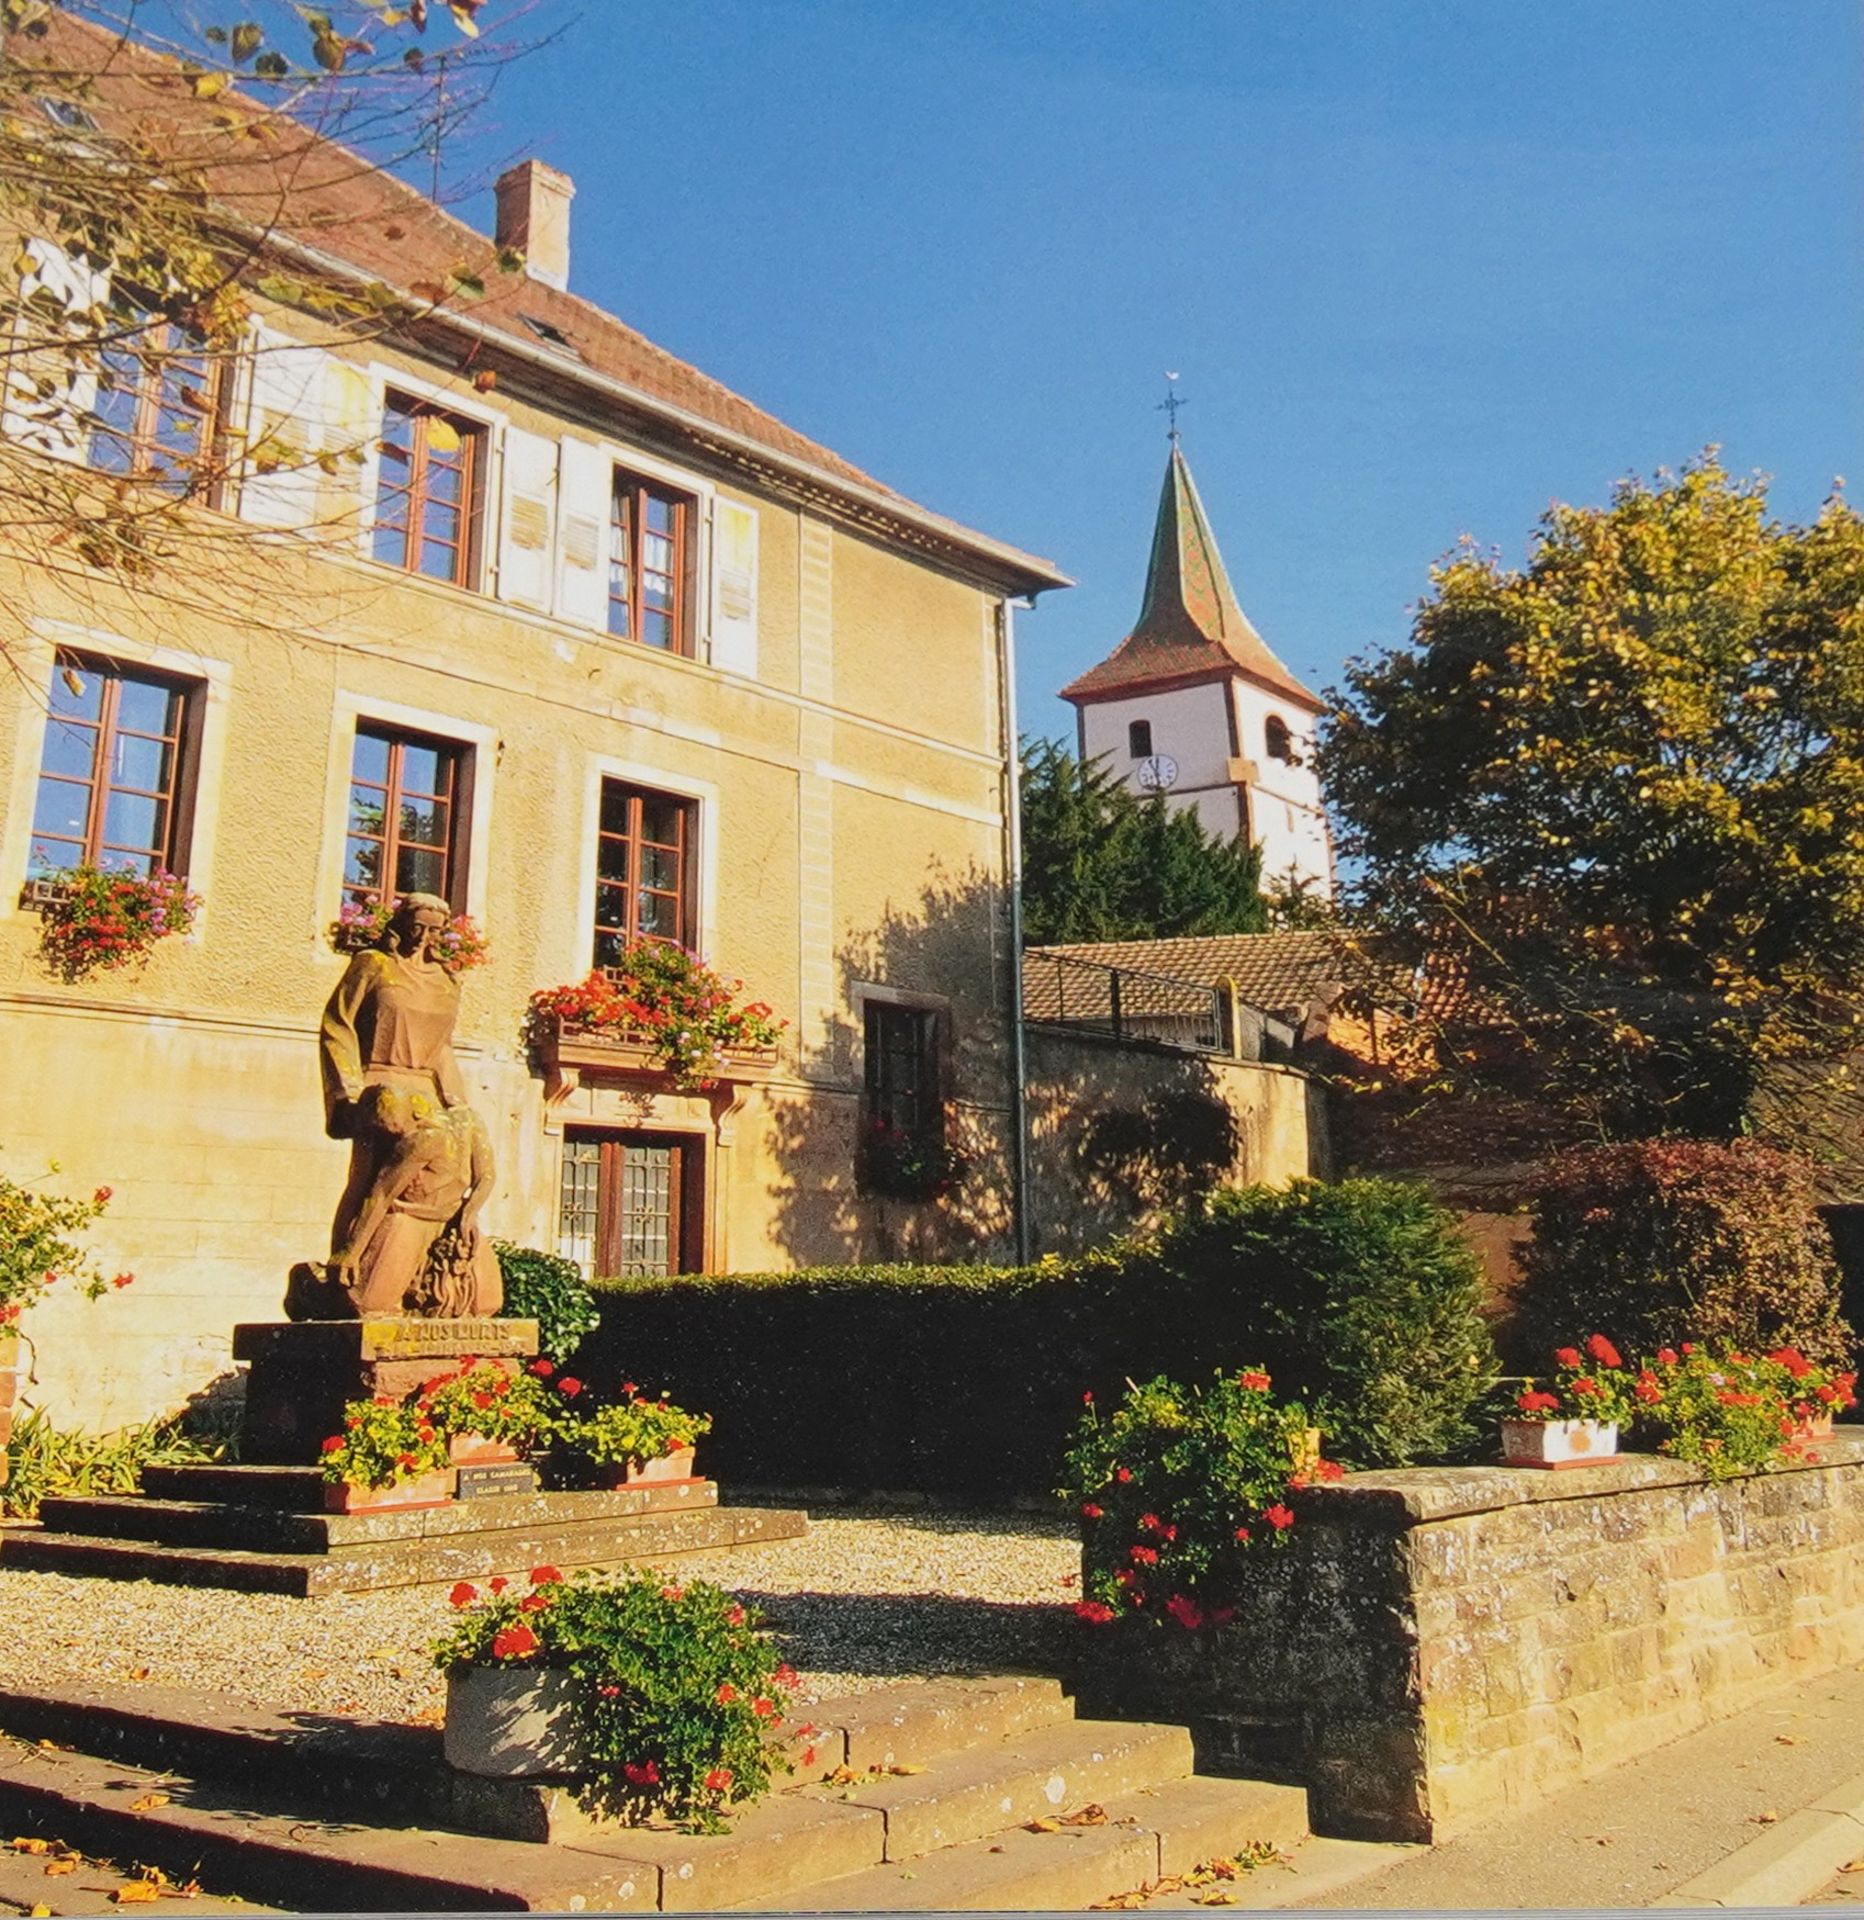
(569, 1386)
(726, 1693)
(1145, 1556)
(735, 1618)
(1090, 1511)
(1242, 1533)
(1187, 1613)
(1122, 1474)
(718, 1780)
(1602, 1350)
(514, 1643)
(1530, 1401)
(1278, 1517)
(763, 1708)
(1255, 1380)
(464, 1594)
(499, 1583)
(543, 1368)
(639, 1774)
(534, 1603)
(334, 1444)
(1666, 1356)
(542, 1576)
(1150, 1522)
(1087, 1399)
(1569, 1356)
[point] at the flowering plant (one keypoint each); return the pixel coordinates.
(458, 947)
(911, 1166)
(91, 921)
(679, 1696)
(478, 1397)
(1178, 1489)
(1590, 1382)
(669, 1000)
(634, 1430)
(1728, 1412)
(384, 1442)
(37, 1248)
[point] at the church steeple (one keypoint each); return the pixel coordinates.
(1190, 625)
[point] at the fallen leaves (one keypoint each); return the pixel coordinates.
(148, 1802)
(1204, 1883)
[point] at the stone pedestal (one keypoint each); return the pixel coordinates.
(303, 1373)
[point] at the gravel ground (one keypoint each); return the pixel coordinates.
(863, 1599)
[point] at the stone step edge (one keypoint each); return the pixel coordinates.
(304, 1575)
(367, 1765)
(1144, 1836)
(245, 1846)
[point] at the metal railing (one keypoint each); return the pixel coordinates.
(1088, 996)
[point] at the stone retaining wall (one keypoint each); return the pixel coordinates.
(1438, 1645)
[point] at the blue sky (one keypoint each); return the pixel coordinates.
(1422, 267)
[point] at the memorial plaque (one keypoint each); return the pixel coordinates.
(493, 1482)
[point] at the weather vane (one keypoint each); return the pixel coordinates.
(1170, 405)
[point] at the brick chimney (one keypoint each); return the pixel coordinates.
(534, 216)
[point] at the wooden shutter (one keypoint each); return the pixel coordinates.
(585, 483)
(527, 526)
(58, 421)
(734, 587)
(286, 430)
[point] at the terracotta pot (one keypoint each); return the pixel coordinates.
(433, 1489)
(508, 1722)
(1557, 1443)
(1814, 1426)
(677, 1465)
(475, 1450)
(9, 1388)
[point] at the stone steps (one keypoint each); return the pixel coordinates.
(936, 1786)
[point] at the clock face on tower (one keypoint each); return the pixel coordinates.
(1157, 772)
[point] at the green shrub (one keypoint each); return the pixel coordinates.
(966, 1382)
(550, 1290)
(45, 1461)
(1661, 1241)
(1361, 1299)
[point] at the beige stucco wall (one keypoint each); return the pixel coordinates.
(851, 830)
(1120, 1133)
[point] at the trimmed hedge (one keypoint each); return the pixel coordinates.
(966, 1381)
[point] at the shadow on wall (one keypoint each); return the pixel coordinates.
(946, 952)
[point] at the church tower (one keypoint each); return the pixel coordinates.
(1193, 704)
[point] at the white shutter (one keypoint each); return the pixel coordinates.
(734, 587)
(286, 430)
(51, 393)
(586, 482)
(527, 526)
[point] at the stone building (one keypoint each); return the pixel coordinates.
(588, 644)
(1193, 704)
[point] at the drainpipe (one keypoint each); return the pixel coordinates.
(1013, 844)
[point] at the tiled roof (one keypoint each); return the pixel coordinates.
(1281, 973)
(319, 194)
(1190, 625)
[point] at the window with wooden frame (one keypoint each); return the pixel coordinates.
(649, 538)
(116, 775)
(408, 808)
(631, 1205)
(429, 477)
(645, 849)
(901, 1072)
(159, 411)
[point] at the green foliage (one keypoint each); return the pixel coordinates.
(550, 1290)
(1102, 863)
(383, 1443)
(1590, 1382)
(39, 1248)
(44, 1460)
(1616, 791)
(486, 1401)
(1178, 1490)
(1663, 1241)
(634, 1431)
(966, 1381)
(1362, 1298)
(679, 1697)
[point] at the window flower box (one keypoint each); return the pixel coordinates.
(37, 895)
(1557, 1443)
(570, 1055)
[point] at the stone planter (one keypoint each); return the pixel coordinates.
(433, 1489)
(1557, 1443)
(568, 1058)
(677, 1465)
(506, 1723)
(9, 1390)
(475, 1450)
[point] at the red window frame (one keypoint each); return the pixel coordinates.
(632, 610)
(411, 515)
(453, 801)
(179, 742)
(621, 858)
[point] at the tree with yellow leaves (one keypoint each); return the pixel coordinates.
(1616, 796)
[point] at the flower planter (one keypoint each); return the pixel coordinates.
(1557, 1443)
(677, 1465)
(506, 1723)
(9, 1389)
(475, 1450)
(1813, 1426)
(567, 1057)
(433, 1489)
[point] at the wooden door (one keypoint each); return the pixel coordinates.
(632, 1203)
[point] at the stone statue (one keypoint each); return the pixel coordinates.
(406, 1236)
